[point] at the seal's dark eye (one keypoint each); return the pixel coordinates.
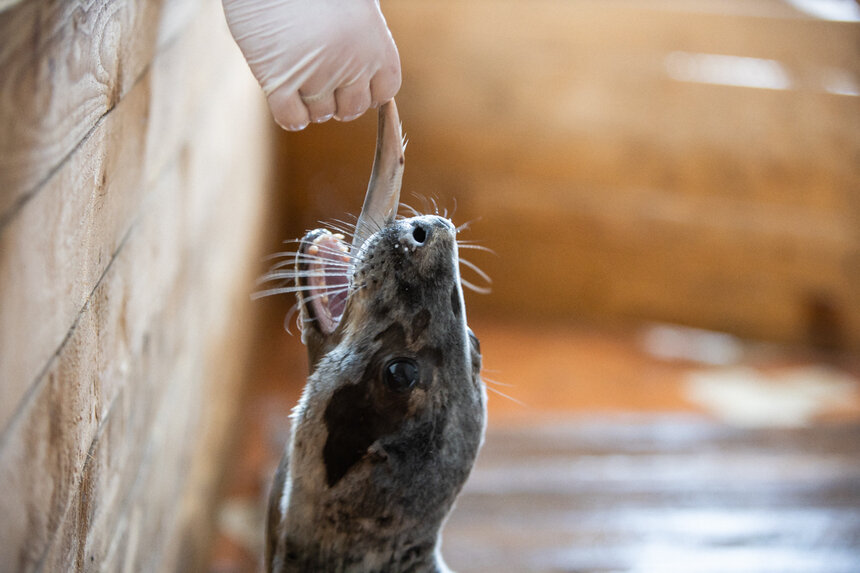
(401, 374)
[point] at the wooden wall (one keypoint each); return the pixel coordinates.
(612, 182)
(133, 163)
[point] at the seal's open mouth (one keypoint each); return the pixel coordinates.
(324, 267)
(324, 264)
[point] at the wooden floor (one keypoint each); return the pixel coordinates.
(620, 451)
(661, 493)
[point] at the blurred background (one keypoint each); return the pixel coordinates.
(670, 188)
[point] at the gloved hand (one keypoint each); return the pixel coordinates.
(317, 59)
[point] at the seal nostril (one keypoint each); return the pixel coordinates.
(419, 234)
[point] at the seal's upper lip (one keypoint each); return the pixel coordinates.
(383, 190)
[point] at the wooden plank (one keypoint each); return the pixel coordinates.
(51, 455)
(90, 202)
(212, 313)
(48, 275)
(128, 353)
(63, 67)
(43, 452)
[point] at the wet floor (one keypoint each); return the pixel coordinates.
(653, 449)
(661, 493)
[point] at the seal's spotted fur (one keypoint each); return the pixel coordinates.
(393, 413)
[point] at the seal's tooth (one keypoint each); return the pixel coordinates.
(339, 236)
(313, 249)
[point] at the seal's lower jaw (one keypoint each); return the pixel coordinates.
(324, 265)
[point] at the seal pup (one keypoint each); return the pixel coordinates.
(393, 413)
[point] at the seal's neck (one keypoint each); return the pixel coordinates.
(420, 557)
(327, 541)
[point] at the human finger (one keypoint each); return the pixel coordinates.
(321, 107)
(384, 85)
(352, 100)
(288, 110)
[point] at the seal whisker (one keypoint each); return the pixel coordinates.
(415, 212)
(311, 256)
(468, 224)
(290, 274)
(293, 309)
(376, 223)
(290, 314)
(476, 247)
(496, 382)
(431, 204)
(340, 230)
(342, 257)
(289, 263)
(311, 259)
(340, 226)
(327, 290)
(323, 248)
(503, 395)
(477, 269)
(425, 203)
(347, 224)
(279, 254)
(474, 287)
(313, 250)
(292, 254)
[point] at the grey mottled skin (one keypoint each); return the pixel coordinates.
(373, 470)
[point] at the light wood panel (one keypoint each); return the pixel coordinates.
(66, 65)
(79, 216)
(127, 253)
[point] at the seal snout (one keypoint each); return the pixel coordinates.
(416, 234)
(420, 231)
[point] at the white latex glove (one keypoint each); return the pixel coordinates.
(317, 59)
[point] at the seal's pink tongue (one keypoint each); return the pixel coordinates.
(383, 190)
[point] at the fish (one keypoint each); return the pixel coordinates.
(393, 413)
